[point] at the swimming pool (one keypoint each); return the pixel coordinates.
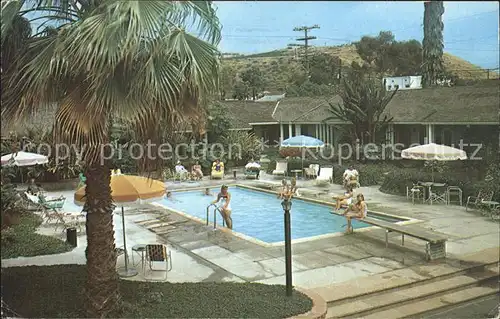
(259, 214)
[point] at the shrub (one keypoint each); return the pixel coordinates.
(396, 181)
(21, 240)
(271, 167)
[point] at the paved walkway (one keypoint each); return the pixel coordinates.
(201, 254)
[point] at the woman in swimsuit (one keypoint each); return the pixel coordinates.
(344, 201)
(357, 211)
(225, 206)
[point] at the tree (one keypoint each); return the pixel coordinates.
(127, 59)
(324, 68)
(227, 81)
(385, 54)
(432, 67)
(373, 50)
(363, 105)
(240, 91)
(254, 79)
(218, 121)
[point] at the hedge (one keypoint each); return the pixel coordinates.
(57, 292)
(396, 182)
(21, 240)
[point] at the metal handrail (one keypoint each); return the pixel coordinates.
(215, 215)
(208, 207)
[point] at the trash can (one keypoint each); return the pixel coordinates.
(71, 236)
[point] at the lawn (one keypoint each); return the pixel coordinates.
(21, 239)
(56, 292)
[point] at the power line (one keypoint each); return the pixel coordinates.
(306, 40)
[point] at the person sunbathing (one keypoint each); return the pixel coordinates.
(358, 211)
(344, 200)
(284, 189)
(196, 171)
(291, 190)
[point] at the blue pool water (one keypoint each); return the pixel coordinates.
(260, 215)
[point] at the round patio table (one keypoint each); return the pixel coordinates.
(139, 249)
(296, 171)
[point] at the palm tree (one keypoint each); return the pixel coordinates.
(363, 105)
(104, 59)
(432, 54)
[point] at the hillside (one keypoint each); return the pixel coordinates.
(279, 65)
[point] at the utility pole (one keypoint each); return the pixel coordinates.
(306, 39)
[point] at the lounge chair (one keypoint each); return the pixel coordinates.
(158, 253)
(312, 171)
(217, 174)
(325, 176)
(50, 208)
(479, 199)
(82, 180)
(281, 169)
(251, 173)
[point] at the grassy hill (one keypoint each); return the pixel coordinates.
(278, 65)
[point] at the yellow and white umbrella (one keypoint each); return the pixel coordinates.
(128, 190)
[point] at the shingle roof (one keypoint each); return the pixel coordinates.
(244, 112)
(459, 104)
(271, 98)
(305, 109)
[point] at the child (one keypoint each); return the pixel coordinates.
(207, 192)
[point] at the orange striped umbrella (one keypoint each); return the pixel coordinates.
(129, 189)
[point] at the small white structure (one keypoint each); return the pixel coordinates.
(403, 82)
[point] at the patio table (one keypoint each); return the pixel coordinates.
(139, 249)
(490, 203)
(296, 171)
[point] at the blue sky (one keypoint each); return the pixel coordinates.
(470, 28)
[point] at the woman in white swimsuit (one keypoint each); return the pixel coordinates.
(358, 211)
(224, 197)
(344, 201)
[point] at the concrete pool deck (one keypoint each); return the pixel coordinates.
(201, 254)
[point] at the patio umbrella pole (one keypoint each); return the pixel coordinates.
(127, 272)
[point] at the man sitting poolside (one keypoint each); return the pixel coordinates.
(181, 170)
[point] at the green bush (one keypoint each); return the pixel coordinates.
(56, 292)
(271, 167)
(21, 240)
(396, 182)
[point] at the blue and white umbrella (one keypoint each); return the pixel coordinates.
(302, 141)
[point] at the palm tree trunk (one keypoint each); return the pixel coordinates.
(432, 44)
(101, 291)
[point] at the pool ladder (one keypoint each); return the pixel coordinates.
(216, 209)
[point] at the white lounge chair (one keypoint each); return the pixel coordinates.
(312, 171)
(281, 169)
(325, 176)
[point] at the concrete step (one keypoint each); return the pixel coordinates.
(358, 288)
(164, 230)
(381, 301)
(158, 225)
(417, 309)
(147, 222)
